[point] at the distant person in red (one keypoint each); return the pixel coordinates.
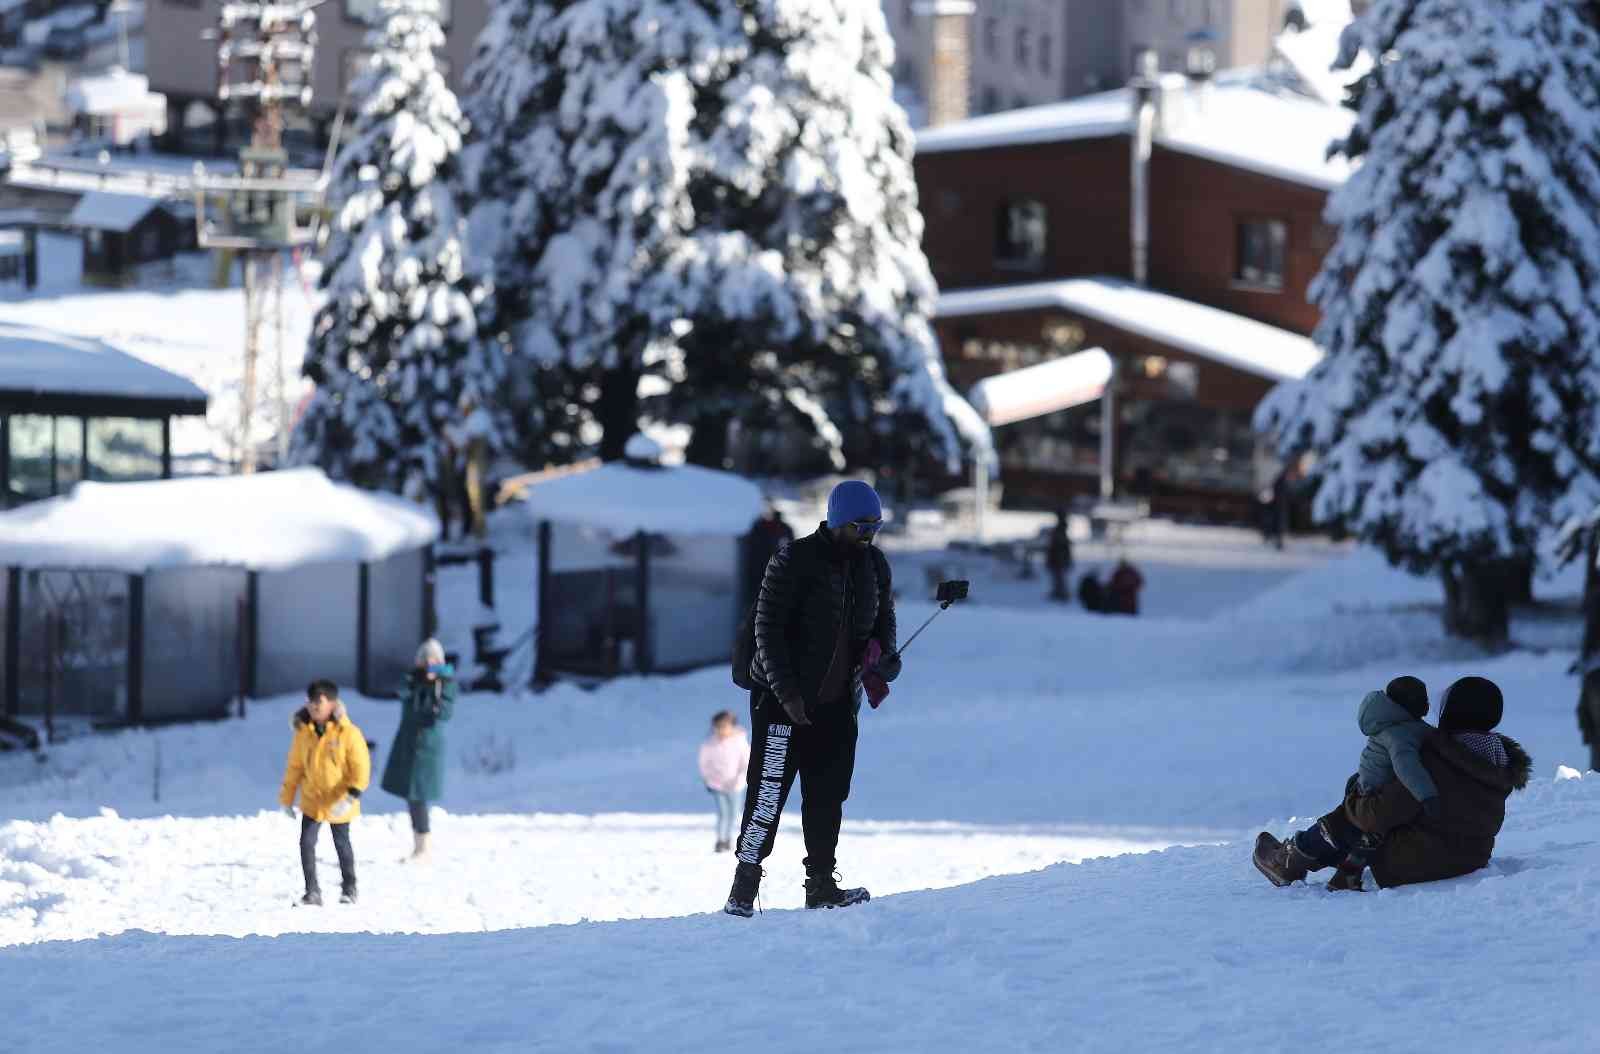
(1122, 590)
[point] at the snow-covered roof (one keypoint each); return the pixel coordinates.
(1246, 119)
(1208, 332)
(41, 361)
(268, 521)
(114, 91)
(1034, 391)
(105, 210)
(676, 499)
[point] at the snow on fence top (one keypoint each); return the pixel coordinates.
(1220, 336)
(269, 521)
(40, 361)
(1245, 120)
(624, 499)
(1034, 391)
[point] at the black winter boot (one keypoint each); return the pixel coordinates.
(746, 886)
(822, 890)
(313, 898)
(1282, 862)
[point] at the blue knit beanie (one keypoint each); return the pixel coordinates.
(853, 500)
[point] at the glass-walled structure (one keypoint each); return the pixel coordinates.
(73, 409)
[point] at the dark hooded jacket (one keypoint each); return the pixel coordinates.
(1472, 809)
(809, 586)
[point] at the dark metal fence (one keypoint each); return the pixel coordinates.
(613, 604)
(103, 648)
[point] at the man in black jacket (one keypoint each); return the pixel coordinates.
(823, 597)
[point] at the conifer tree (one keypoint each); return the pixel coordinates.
(406, 383)
(715, 192)
(1454, 416)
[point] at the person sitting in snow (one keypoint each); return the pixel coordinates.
(1474, 771)
(1392, 721)
(1122, 591)
(328, 767)
(723, 760)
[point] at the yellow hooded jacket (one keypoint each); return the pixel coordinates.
(324, 768)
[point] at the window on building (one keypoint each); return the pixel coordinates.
(1021, 234)
(124, 449)
(1044, 53)
(32, 439)
(1024, 48)
(69, 452)
(991, 37)
(1262, 246)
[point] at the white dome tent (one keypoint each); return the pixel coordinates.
(132, 603)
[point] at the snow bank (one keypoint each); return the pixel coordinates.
(267, 521)
(674, 499)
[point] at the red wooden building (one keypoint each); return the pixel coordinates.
(1184, 254)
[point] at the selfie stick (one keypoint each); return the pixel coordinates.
(902, 649)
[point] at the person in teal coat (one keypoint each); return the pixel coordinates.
(415, 770)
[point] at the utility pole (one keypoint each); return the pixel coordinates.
(264, 63)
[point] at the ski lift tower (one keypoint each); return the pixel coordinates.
(264, 69)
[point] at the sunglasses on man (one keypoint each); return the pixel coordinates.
(867, 528)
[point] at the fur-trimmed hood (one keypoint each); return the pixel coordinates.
(302, 716)
(1512, 777)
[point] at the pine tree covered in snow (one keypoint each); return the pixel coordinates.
(1454, 417)
(717, 192)
(405, 383)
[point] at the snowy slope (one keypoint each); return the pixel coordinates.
(1189, 950)
(1017, 739)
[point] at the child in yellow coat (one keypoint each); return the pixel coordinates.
(329, 766)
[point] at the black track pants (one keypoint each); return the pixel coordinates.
(824, 755)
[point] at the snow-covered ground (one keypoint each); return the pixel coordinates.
(1006, 800)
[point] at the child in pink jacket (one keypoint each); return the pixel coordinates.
(724, 757)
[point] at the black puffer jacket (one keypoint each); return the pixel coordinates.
(802, 599)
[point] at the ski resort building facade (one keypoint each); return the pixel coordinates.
(1183, 256)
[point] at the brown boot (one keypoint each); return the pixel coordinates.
(1282, 862)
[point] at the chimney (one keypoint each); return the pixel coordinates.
(1143, 87)
(950, 77)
